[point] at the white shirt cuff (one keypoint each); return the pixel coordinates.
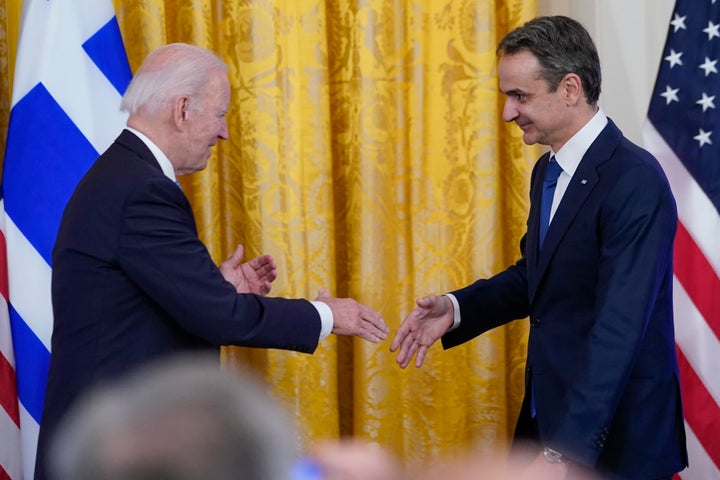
(326, 318)
(456, 312)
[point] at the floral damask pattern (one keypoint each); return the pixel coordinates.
(367, 154)
(9, 16)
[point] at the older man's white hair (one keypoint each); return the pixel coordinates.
(171, 71)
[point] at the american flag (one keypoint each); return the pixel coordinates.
(683, 131)
(71, 71)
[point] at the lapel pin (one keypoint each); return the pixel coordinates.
(583, 181)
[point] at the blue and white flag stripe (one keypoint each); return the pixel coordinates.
(71, 71)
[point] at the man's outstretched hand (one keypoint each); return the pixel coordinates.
(429, 321)
(353, 318)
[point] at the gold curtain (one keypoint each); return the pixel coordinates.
(369, 157)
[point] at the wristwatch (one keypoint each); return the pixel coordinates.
(553, 456)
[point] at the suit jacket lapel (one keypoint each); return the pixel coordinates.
(532, 238)
(581, 185)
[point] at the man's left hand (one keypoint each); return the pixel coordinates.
(254, 276)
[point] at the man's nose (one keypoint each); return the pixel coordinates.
(510, 113)
(224, 133)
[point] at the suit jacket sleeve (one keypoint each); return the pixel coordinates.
(160, 251)
(489, 303)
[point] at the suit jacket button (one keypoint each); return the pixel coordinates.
(535, 322)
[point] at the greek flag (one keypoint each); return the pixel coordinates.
(71, 71)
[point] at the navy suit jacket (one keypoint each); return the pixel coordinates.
(601, 359)
(131, 282)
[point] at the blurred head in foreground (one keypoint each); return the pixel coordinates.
(179, 419)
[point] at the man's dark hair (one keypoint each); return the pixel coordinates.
(562, 46)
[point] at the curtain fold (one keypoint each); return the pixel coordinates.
(368, 155)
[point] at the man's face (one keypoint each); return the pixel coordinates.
(205, 124)
(542, 115)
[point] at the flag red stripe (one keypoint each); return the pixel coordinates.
(8, 390)
(8, 381)
(701, 411)
(697, 278)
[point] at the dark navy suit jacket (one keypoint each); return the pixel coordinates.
(131, 282)
(601, 359)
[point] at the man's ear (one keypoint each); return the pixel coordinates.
(572, 88)
(180, 111)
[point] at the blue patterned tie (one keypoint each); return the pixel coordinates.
(551, 175)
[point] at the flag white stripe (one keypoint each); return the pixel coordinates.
(697, 341)
(95, 16)
(29, 278)
(29, 431)
(10, 457)
(6, 346)
(84, 111)
(701, 465)
(694, 207)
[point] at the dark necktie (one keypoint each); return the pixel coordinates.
(551, 175)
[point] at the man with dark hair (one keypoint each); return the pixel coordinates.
(594, 275)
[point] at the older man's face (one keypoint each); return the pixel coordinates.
(205, 124)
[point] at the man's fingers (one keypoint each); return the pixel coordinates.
(403, 357)
(414, 348)
(264, 267)
(377, 334)
(375, 321)
(400, 335)
(409, 346)
(237, 256)
(263, 264)
(369, 336)
(371, 326)
(265, 288)
(420, 355)
(406, 327)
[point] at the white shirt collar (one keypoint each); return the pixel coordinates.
(572, 152)
(162, 159)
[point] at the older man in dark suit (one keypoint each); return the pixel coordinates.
(131, 279)
(595, 275)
